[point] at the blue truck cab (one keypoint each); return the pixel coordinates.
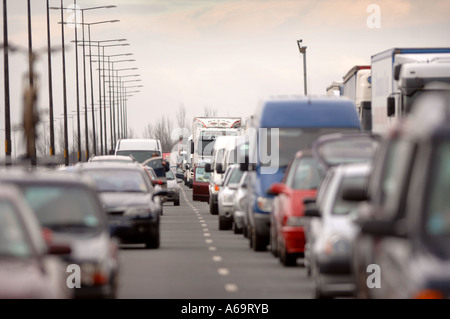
(280, 128)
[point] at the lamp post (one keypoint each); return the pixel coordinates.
(303, 51)
(50, 84)
(84, 66)
(6, 84)
(100, 84)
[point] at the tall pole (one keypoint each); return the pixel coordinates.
(104, 101)
(111, 87)
(78, 85)
(100, 97)
(6, 84)
(50, 85)
(85, 93)
(66, 137)
(30, 45)
(303, 51)
(94, 139)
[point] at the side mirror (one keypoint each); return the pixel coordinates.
(244, 186)
(312, 211)
(382, 228)
(192, 147)
(309, 200)
(161, 192)
(276, 189)
(208, 168)
(219, 168)
(243, 167)
(355, 194)
(59, 249)
(390, 106)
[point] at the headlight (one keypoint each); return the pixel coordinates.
(241, 203)
(137, 211)
(336, 244)
(296, 221)
(228, 199)
(93, 274)
(265, 204)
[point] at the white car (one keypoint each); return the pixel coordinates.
(226, 196)
(331, 231)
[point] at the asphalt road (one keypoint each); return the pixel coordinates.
(197, 261)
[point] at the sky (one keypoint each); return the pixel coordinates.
(224, 55)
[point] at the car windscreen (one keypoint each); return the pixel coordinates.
(306, 174)
(437, 211)
(13, 238)
(342, 206)
(140, 156)
(116, 180)
(281, 144)
(158, 167)
(235, 176)
(201, 175)
(170, 175)
(64, 208)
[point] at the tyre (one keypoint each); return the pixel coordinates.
(287, 259)
(259, 242)
(273, 241)
(176, 202)
(213, 209)
(154, 241)
(224, 223)
(236, 230)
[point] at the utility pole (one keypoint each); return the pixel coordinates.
(303, 51)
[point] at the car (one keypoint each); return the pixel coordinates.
(69, 206)
(239, 205)
(200, 185)
(140, 149)
(173, 189)
(301, 180)
(404, 219)
(332, 231)
(29, 267)
(226, 196)
(160, 166)
(112, 158)
(129, 200)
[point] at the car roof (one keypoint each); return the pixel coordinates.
(35, 176)
(109, 165)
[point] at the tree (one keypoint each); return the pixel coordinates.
(162, 131)
(209, 112)
(181, 117)
(149, 131)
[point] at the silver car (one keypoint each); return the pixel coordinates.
(226, 196)
(330, 233)
(239, 205)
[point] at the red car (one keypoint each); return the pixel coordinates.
(300, 181)
(200, 185)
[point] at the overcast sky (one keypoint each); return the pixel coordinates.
(221, 54)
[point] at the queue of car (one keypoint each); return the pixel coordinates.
(58, 221)
(348, 204)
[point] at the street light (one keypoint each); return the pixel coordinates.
(84, 62)
(303, 51)
(6, 84)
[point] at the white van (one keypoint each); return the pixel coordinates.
(219, 162)
(140, 149)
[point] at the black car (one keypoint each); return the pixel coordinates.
(70, 208)
(129, 200)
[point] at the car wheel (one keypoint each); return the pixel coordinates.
(154, 241)
(213, 209)
(287, 259)
(259, 242)
(236, 229)
(317, 291)
(176, 202)
(224, 223)
(273, 242)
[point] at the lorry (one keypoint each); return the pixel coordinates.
(357, 86)
(205, 130)
(139, 149)
(335, 88)
(399, 76)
